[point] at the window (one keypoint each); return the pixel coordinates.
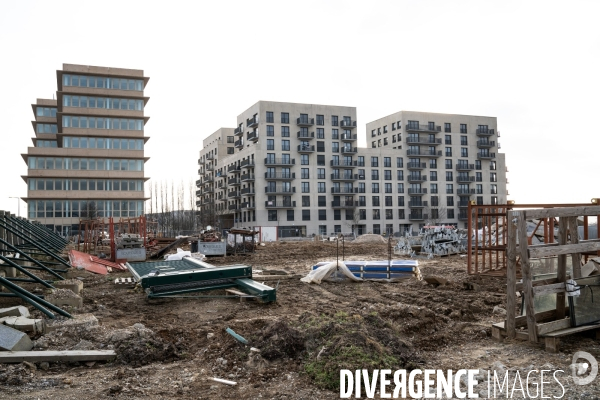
(385, 129)
(387, 175)
(290, 215)
(285, 118)
(304, 159)
(361, 161)
(322, 201)
(374, 162)
(304, 173)
(401, 214)
(305, 201)
(448, 176)
(320, 159)
(447, 127)
(463, 141)
(478, 177)
(449, 188)
(389, 214)
(494, 200)
(335, 147)
(478, 164)
(401, 188)
(272, 215)
(375, 174)
(448, 139)
(448, 152)
(378, 131)
(320, 133)
(362, 214)
(270, 117)
(321, 187)
(334, 120)
(434, 188)
(388, 201)
(479, 200)
(435, 213)
(270, 144)
(322, 215)
(373, 144)
(320, 173)
(450, 201)
(230, 150)
(385, 141)
(285, 145)
(400, 175)
(388, 188)
(230, 139)
(464, 152)
(448, 164)
(320, 120)
(337, 215)
(374, 187)
(463, 128)
(399, 162)
(305, 187)
(433, 176)
(375, 201)
(376, 229)
(494, 189)
(434, 201)
(376, 214)
(335, 134)
(285, 131)
(493, 177)
(373, 133)
(479, 189)
(433, 163)
(401, 201)
(450, 213)
(305, 215)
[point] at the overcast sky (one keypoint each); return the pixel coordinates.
(533, 65)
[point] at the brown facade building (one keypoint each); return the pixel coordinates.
(87, 158)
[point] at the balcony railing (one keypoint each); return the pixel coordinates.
(417, 217)
(247, 177)
(210, 167)
(416, 178)
(232, 168)
(280, 204)
(347, 124)
(280, 189)
(247, 163)
(465, 179)
(484, 143)
(342, 190)
(235, 194)
(306, 135)
(247, 191)
(417, 191)
(238, 131)
(360, 190)
(344, 177)
(252, 122)
(201, 161)
(306, 149)
(210, 156)
(305, 121)
(343, 204)
(417, 204)
(233, 207)
(412, 140)
(416, 165)
(465, 167)
(423, 153)
(283, 176)
(486, 156)
(280, 161)
(248, 205)
(484, 132)
(253, 136)
(209, 179)
(349, 137)
(239, 143)
(342, 163)
(349, 150)
(465, 191)
(423, 128)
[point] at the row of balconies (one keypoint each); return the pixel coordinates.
(425, 141)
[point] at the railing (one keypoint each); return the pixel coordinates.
(239, 142)
(417, 217)
(417, 178)
(238, 131)
(465, 191)
(486, 155)
(248, 205)
(342, 163)
(233, 167)
(411, 140)
(342, 190)
(280, 189)
(280, 204)
(210, 168)
(347, 124)
(344, 177)
(234, 194)
(423, 128)
(416, 165)
(209, 179)
(465, 179)
(233, 207)
(306, 135)
(465, 167)
(349, 150)
(210, 156)
(247, 177)
(415, 204)
(360, 190)
(280, 161)
(417, 191)
(343, 204)
(280, 175)
(247, 191)
(246, 163)
(305, 148)
(252, 122)
(349, 136)
(411, 152)
(201, 161)
(305, 121)
(484, 132)
(253, 136)
(486, 143)
(233, 181)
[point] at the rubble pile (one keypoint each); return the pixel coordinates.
(433, 241)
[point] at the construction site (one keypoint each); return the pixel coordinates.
(117, 312)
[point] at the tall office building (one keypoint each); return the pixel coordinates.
(87, 158)
(297, 167)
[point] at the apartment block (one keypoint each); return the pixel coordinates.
(87, 158)
(297, 167)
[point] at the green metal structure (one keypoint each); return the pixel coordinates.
(172, 278)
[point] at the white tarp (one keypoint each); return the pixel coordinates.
(327, 270)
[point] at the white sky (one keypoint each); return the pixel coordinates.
(534, 65)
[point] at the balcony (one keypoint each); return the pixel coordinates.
(239, 142)
(412, 140)
(423, 153)
(485, 155)
(198, 192)
(252, 122)
(198, 203)
(234, 195)
(247, 191)
(238, 131)
(253, 136)
(280, 190)
(417, 204)
(423, 128)
(280, 176)
(349, 150)
(416, 178)
(233, 168)
(232, 207)
(342, 190)
(280, 161)
(463, 204)
(416, 165)
(210, 156)
(201, 161)
(463, 217)
(247, 177)
(305, 121)
(248, 206)
(198, 182)
(417, 217)
(342, 163)
(343, 204)
(417, 192)
(486, 144)
(465, 167)
(484, 132)
(234, 182)
(347, 124)
(344, 177)
(221, 185)
(209, 179)
(360, 190)
(465, 179)
(306, 135)
(306, 149)
(209, 189)
(280, 204)
(210, 167)
(349, 137)
(246, 163)
(465, 191)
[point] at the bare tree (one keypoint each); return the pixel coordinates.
(435, 215)
(89, 210)
(355, 221)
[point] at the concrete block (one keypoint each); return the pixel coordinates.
(588, 269)
(24, 324)
(14, 340)
(77, 320)
(10, 272)
(74, 285)
(64, 297)
(17, 311)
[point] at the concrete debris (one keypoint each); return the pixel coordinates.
(591, 268)
(24, 324)
(80, 320)
(14, 340)
(435, 280)
(64, 297)
(17, 311)
(499, 310)
(74, 285)
(433, 241)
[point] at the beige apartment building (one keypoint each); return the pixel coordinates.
(87, 158)
(297, 167)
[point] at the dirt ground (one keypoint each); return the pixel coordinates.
(169, 347)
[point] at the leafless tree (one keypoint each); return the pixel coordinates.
(435, 215)
(355, 221)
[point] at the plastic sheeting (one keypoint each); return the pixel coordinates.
(327, 271)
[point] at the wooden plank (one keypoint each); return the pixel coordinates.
(552, 344)
(539, 317)
(548, 250)
(511, 279)
(526, 271)
(50, 356)
(561, 272)
(548, 327)
(238, 293)
(575, 257)
(541, 282)
(563, 212)
(570, 331)
(548, 289)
